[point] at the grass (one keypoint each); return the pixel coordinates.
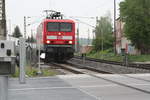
(33, 72)
(47, 72)
(139, 58)
(16, 73)
(108, 55)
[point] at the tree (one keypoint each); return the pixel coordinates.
(103, 32)
(136, 15)
(31, 39)
(17, 32)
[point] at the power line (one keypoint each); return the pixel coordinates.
(82, 22)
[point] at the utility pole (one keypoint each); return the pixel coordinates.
(3, 34)
(25, 27)
(102, 42)
(23, 52)
(88, 37)
(115, 49)
(22, 58)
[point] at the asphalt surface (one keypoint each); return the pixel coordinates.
(81, 87)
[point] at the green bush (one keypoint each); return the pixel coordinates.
(16, 73)
(31, 72)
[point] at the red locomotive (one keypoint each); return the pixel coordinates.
(57, 37)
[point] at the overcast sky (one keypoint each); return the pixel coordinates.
(16, 9)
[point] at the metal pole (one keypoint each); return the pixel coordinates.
(102, 44)
(39, 64)
(3, 34)
(9, 29)
(3, 87)
(22, 60)
(115, 27)
(88, 37)
(78, 39)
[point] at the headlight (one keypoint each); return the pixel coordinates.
(59, 33)
(48, 41)
(70, 42)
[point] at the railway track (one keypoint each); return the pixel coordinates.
(139, 68)
(98, 66)
(133, 65)
(77, 70)
(94, 73)
(58, 68)
(71, 68)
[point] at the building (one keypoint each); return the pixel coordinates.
(121, 41)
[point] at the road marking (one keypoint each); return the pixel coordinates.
(43, 88)
(95, 86)
(48, 88)
(84, 91)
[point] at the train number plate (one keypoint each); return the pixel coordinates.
(59, 37)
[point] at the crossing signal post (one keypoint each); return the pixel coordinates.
(7, 65)
(6, 57)
(22, 60)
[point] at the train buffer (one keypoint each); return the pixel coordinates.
(82, 87)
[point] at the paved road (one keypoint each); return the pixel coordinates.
(81, 87)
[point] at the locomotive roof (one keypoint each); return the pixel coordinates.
(59, 20)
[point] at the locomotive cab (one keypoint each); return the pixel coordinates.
(57, 38)
(60, 40)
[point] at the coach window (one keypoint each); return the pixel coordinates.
(66, 27)
(52, 26)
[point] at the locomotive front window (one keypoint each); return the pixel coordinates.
(66, 27)
(53, 26)
(57, 26)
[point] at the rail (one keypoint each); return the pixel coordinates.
(133, 65)
(80, 71)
